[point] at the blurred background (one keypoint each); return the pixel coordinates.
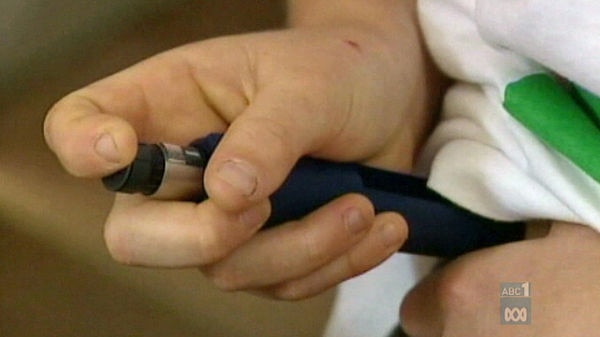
(56, 278)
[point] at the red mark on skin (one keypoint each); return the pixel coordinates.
(354, 45)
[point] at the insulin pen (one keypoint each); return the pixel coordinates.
(437, 227)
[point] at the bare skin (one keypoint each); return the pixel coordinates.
(462, 299)
(339, 87)
(349, 80)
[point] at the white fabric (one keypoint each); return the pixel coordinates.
(368, 305)
(561, 34)
(479, 156)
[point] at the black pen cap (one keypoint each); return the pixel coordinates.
(144, 175)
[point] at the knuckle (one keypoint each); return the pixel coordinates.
(322, 105)
(274, 133)
(70, 135)
(353, 265)
(53, 126)
(314, 250)
(50, 123)
(455, 290)
(289, 292)
(119, 244)
(208, 249)
(224, 283)
(225, 279)
(74, 167)
(61, 113)
(211, 244)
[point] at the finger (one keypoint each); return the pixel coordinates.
(177, 234)
(296, 249)
(94, 131)
(88, 142)
(385, 238)
(262, 145)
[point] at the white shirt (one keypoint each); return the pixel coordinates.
(480, 156)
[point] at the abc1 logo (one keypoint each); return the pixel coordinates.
(515, 303)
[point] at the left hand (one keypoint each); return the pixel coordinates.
(463, 298)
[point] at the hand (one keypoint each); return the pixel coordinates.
(340, 94)
(463, 298)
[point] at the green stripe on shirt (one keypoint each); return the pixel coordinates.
(547, 109)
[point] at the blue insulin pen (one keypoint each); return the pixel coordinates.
(437, 227)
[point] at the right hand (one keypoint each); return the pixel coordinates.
(340, 94)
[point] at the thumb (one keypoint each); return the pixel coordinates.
(262, 145)
(87, 141)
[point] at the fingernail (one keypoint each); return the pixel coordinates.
(107, 148)
(240, 175)
(354, 221)
(391, 235)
